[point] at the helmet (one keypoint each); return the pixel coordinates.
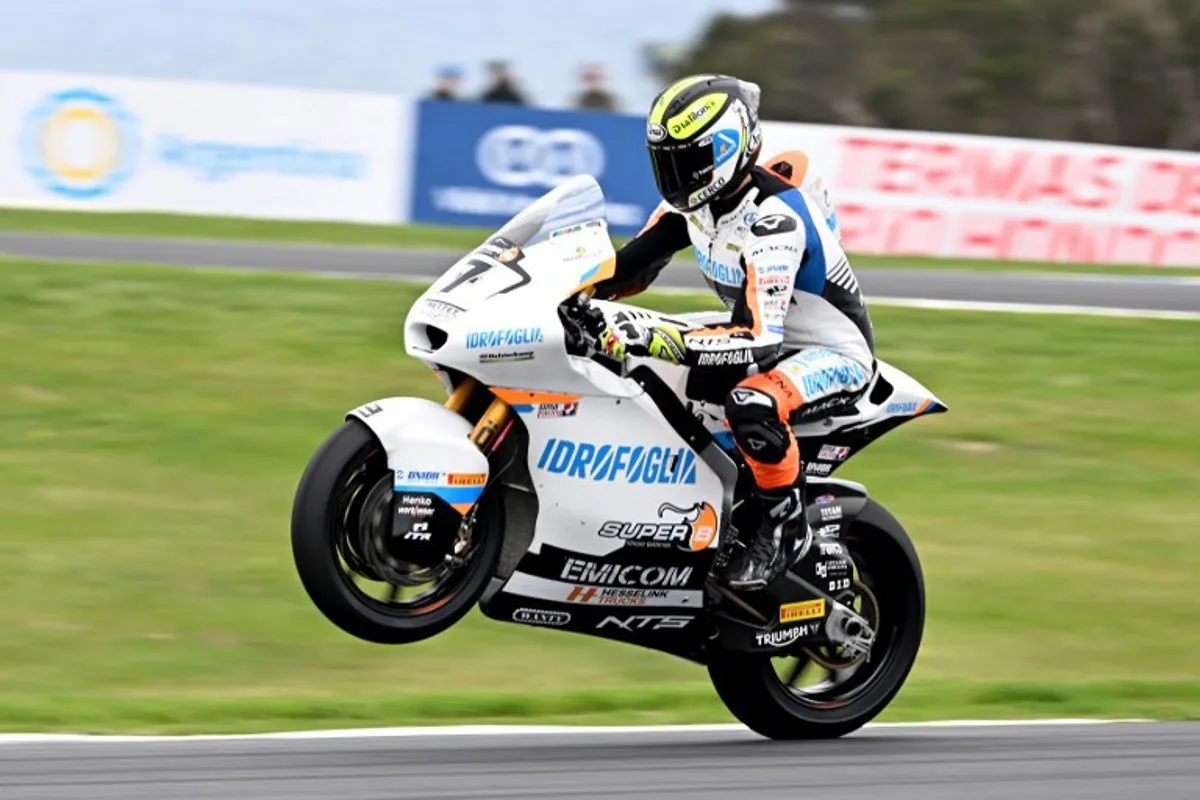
(703, 135)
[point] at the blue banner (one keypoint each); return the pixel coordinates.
(479, 164)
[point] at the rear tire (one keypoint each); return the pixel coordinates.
(755, 694)
(341, 474)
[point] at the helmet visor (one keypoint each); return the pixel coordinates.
(681, 170)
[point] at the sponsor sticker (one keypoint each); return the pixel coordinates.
(640, 622)
(831, 452)
(466, 478)
(830, 513)
(901, 407)
(538, 616)
(693, 528)
(618, 463)
(727, 358)
(440, 309)
(817, 468)
(492, 358)
(617, 597)
(552, 410)
(418, 476)
(809, 609)
(579, 570)
(512, 337)
(783, 636)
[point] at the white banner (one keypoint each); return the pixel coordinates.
(931, 194)
(100, 143)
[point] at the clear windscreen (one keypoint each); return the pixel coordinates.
(560, 238)
(577, 201)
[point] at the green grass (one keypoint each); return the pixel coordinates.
(155, 421)
(184, 226)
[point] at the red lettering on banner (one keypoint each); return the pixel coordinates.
(1189, 201)
(898, 175)
(995, 236)
(994, 180)
(980, 237)
(1179, 249)
(1156, 187)
(1168, 187)
(915, 233)
(943, 169)
(896, 231)
(860, 228)
(856, 165)
(1133, 245)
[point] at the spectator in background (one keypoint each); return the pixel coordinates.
(594, 95)
(449, 77)
(502, 88)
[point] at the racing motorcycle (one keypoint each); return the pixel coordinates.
(558, 488)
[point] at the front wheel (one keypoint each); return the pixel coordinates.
(341, 518)
(821, 694)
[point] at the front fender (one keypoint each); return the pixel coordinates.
(428, 448)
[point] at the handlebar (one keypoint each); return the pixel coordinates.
(583, 324)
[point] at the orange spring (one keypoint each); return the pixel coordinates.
(490, 423)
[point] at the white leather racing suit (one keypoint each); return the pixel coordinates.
(799, 342)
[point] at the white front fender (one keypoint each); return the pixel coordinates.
(428, 448)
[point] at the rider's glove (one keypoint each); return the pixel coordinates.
(624, 335)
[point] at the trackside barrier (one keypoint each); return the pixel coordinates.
(91, 142)
(105, 143)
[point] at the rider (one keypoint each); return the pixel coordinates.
(798, 344)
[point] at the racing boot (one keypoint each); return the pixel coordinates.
(774, 545)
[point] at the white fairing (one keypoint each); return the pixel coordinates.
(606, 465)
(427, 447)
(499, 314)
(600, 451)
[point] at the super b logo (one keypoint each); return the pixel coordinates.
(80, 144)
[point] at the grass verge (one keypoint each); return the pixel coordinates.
(184, 226)
(155, 421)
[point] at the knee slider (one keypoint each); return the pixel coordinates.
(753, 419)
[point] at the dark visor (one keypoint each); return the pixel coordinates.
(682, 169)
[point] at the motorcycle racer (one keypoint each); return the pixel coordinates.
(798, 344)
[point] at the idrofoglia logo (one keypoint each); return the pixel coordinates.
(623, 463)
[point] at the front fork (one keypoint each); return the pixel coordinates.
(492, 423)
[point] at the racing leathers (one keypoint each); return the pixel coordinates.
(798, 345)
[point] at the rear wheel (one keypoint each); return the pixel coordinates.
(822, 693)
(340, 522)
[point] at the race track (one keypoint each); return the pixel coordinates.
(1076, 762)
(1151, 293)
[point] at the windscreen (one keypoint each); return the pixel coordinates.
(558, 242)
(575, 202)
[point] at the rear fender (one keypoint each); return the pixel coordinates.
(428, 449)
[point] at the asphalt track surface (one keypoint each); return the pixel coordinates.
(1085, 762)
(1150, 293)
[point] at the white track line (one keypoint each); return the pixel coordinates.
(1012, 308)
(508, 730)
(1033, 308)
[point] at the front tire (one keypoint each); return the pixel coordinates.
(343, 484)
(751, 687)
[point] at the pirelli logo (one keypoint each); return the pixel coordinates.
(809, 609)
(466, 478)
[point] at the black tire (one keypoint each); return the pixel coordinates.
(319, 505)
(753, 692)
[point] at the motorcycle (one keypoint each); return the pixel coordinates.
(558, 488)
